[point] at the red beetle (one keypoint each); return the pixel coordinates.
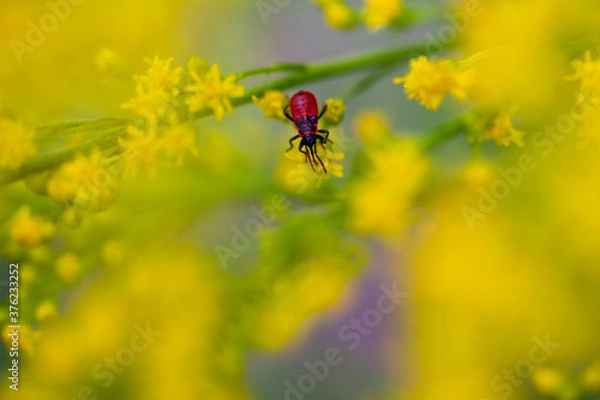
(304, 109)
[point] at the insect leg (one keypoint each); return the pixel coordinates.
(323, 111)
(314, 154)
(326, 133)
(287, 114)
(291, 140)
(306, 154)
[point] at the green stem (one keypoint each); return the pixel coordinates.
(306, 73)
(364, 84)
(53, 160)
(86, 125)
(281, 67)
(443, 133)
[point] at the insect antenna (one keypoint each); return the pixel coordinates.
(314, 154)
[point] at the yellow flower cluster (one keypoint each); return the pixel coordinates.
(16, 143)
(587, 74)
(318, 286)
(376, 14)
(299, 169)
(336, 109)
(430, 81)
(210, 90)
(30, 230)
(338, 14)
(587, 71)
(273, 104)
(68, 267)
(380, 201)
(84, 182)
(503, 132)
(380, 13)
(156, 92)
(163, 107)
(302, 278)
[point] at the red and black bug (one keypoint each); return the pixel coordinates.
(306, 116)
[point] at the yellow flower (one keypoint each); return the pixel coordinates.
(140, 152)
(548, 381)
(430, 81)
(16, 143)
(478, 173)
(27, 338)
(503, 132)
(379, 13)
(29, 230)
(330, 161)
(372, 127)
(335, 111)
(46, 311)
(177, 141)
(156, 90)
(214, 92)
(591, 377)
(68, 267)
(337, 14)
(85, 181)
(588, 72)
(379, 203)
(272, 103)
(109, 61)
(112, 253)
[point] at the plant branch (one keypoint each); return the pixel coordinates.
(304, 74)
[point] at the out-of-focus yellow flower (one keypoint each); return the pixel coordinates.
(478, 173)
(372, 127)
(156, 90)
(333, 167)
(30, 230)
(16, 143)
(28, 273)
(212, 91)
(315, 174)
(503, 132)
(587, 71)
(46, 311)
(337, 14)
(548, 381)
(112, 253)
(318, 285)
(179, 140)
(72, 217)
(85, 181)
(591, 377)
(109, 61)
(380, 13)
(335, 111)
(431, 81)
(272, 103)
(68, 267)
(140, 151)
(379, 203)
(27, 338)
